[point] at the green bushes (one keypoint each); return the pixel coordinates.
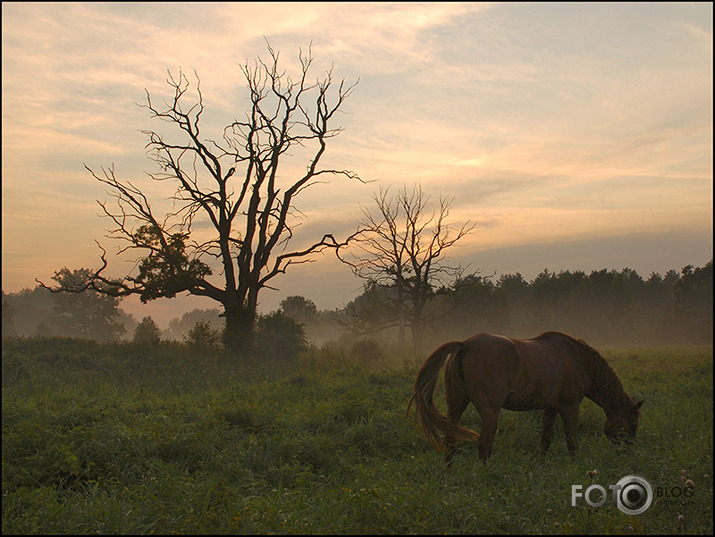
(279, 337)
(367, 352)
(202, 335)
(147, 332)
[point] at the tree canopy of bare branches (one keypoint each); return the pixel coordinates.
(401, 245)
(235, 185)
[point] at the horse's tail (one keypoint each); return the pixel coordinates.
(431, 420)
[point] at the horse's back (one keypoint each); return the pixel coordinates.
(487, 347)
(499, 347)
(490, 363)
(487, 340)
(527, 373)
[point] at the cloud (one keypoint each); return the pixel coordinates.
(381, 38)
(544, 121)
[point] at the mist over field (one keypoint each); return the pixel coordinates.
(604, 307)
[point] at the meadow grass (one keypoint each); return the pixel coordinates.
(130, 439)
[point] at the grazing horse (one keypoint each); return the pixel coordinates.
(553, 372)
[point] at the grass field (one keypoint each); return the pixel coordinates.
(127, 439)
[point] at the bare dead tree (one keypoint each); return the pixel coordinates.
(231, 185)
(402, 246)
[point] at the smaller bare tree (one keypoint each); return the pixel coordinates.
(401, 245)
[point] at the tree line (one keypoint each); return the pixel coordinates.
(606, 306)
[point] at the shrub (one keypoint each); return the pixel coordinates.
(366, 352)
(279, 337)
(202, 335)
(147, 332)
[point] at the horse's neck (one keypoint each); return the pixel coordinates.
(606, 389)
(608, 404)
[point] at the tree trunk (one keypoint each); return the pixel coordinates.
(238, 335)
(417, 330)
(401, 310)
(401, 328)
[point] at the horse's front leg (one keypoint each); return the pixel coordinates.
(569, 415)
(547, 429)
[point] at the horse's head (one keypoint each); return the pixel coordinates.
(621, 425)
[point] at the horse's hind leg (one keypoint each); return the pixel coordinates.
(547, 429)
(569, 415)
(457, 402)
(490, 417)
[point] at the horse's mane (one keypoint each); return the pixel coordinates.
(606, 388)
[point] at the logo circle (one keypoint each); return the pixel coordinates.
(634, 495)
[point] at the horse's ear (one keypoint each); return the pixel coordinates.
(637, 405)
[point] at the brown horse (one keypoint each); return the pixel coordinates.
(553, 372)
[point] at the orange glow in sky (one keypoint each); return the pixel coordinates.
(576, 136)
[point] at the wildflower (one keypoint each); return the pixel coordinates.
(592, 473)
(689, 483)
(681, 518)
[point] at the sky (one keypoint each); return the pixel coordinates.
(575, 136)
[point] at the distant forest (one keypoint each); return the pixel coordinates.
(603, 307)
